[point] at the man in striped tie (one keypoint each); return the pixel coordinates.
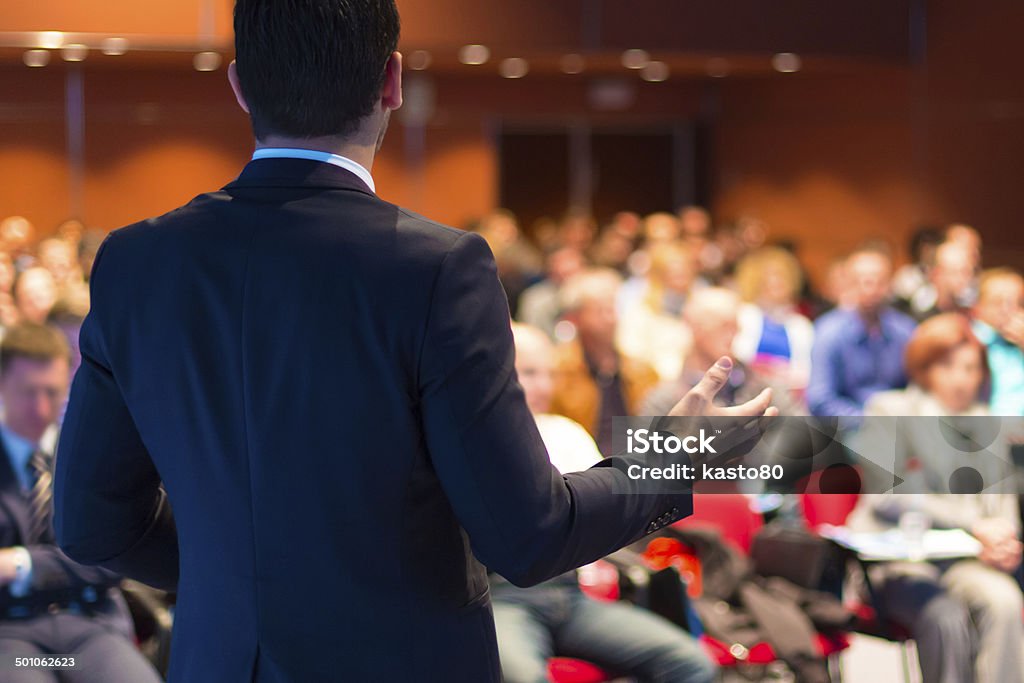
(49, 605)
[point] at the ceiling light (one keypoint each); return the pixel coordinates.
(420, 60)
(655, 72)
(572, 64)
(206, 61)
(474, 55)
(50, 40)
(36, 58)
(635, 59)
(514, 67)
(74, 52)
(114, 46)
(786, 62)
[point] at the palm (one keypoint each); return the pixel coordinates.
(699, 401)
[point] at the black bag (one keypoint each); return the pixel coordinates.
(799, 556)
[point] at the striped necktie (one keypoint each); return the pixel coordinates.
(40, 497)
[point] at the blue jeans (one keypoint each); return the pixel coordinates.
(557, 619)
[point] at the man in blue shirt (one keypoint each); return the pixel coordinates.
(858, 351)
(999, 324)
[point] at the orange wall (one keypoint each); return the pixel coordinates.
(828, 160)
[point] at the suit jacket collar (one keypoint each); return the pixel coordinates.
(302, 173)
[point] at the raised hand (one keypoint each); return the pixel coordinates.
(699, 401)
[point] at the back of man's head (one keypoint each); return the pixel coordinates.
(312, 68)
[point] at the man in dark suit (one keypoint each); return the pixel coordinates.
(48, 603)
(322, 386)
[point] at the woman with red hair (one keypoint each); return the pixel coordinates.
(965, 614)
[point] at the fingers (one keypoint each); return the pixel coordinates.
(697, 400)
(714, 379)
(755, 407)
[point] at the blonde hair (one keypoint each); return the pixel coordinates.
(587, 285)
(992, 275)
(750, 271)
(662, 255)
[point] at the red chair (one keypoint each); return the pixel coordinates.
(829, 508)
(565, 670)
(729, 512)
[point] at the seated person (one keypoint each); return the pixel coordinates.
(858, 351)
(965, 614)
(999, 325)
(595, 380)
(713, 315)
(49, 605)
(555, 618)
(774, 339)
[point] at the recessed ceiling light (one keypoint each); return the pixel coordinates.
(786, 62)
(655, 72)
(474, 55)
(50, 40)
(420, 60)
(114, 46)
(74, 52)
(514, 67)
(572, 64)
(206, 61)
(36, 58)
(635, 59)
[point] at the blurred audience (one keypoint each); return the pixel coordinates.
(518, 261)
(555, 618)
(858, 351)
(617, 242)
(912, 278)
(539, 304)
(950, 287)
(965, 615)
(713, 315)
(35, 293)
(693, 292)
(999, 324)
(594, 381)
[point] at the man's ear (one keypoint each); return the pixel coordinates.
(391, 94)
(236, 87)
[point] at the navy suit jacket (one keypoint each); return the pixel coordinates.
(323, 385)
(56, 579)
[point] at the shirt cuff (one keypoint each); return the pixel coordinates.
(22, 582)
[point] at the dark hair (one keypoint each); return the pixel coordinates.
(924, 236)
(32, 341)
(312, 68)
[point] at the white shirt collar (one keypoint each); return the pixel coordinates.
(315, 155)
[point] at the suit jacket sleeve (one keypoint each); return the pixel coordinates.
(109, 507)
(525, 521)
(52, 570)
